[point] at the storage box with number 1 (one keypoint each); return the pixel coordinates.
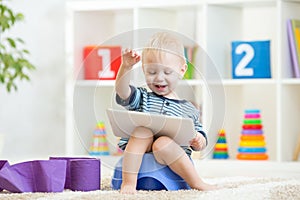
(101, 62)
(251, 59)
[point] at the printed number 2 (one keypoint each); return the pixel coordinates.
(241, 69)
(106, 71)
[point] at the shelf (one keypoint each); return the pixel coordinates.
(91, 5)
(111, 83)
(291, 81)
(237, 82)
(243, 3)
(97, 83)
(214, 24)
(191, 82)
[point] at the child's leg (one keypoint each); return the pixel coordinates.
(167, 152)
(140, 142)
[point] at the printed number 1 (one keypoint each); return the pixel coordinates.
(241, 69)
(106, 71)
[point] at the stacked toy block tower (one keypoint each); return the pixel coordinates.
(221, 150)
(252, 144)
(99, 146)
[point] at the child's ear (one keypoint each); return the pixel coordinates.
(183, 69)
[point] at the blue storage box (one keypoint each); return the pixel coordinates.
(251, 59)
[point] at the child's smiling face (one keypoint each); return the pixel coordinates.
(163, 71)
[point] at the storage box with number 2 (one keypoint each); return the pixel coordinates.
(101, 62)
(251, 59)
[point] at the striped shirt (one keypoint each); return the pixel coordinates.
(143, 101)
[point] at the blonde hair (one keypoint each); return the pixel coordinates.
(163, 42)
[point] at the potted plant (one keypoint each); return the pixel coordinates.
(13, 62)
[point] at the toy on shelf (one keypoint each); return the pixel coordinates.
(101, 62)
(252, 141)
(221, 150)
(251, 59)
(99, 146)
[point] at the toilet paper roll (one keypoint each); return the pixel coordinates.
(68, 168)
(3, 163)
(85, 174)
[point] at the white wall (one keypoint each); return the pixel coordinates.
(32, 119)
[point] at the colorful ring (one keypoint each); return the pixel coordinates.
(220, 153)
(252, 111)
(252, 126)
(254, 132)
(220, 140)
(252, 137)
(221, 149)
(221, 131)
(252, 156)
(252, 143)
(220, 156)
(252, 121)
(252, 116)
(220, 145)
(221, 134)
(251, 150)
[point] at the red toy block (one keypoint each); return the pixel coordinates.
(101, 62)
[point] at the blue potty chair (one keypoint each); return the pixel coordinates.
(152, 176)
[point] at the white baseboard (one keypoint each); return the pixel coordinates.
(221, 168)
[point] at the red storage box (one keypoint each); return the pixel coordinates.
(101, 62)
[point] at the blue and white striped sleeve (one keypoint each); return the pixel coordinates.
(133, 101)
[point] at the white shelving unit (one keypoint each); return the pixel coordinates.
(212, 24)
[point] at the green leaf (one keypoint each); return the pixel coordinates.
(11, 16)
(25, 51)
(11, 42)
(26, 77)
(1, 78)
(19, 17)
(8, 86)
(20, 40)
(2, 46)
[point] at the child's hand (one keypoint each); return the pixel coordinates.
(198, 143)
(130, 58)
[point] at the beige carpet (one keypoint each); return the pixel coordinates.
(232, 188)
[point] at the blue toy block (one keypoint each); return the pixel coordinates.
(152, 176)
(251, 59)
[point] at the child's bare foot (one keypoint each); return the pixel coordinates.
(128, 189)
(206, 187)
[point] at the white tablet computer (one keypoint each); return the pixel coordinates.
(123, 122)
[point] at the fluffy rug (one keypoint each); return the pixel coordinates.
(231, 188)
